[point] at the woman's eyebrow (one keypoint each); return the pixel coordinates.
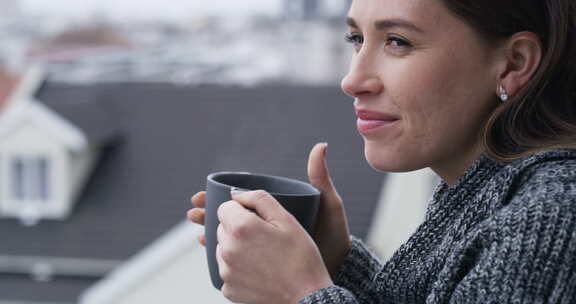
(391, 23)
(350, 22)
(387, 24)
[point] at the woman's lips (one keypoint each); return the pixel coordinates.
(370, 122)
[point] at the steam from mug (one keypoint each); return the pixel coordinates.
(299, 198)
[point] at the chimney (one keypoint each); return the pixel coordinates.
(8, 82)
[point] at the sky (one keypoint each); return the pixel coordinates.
(150, 8)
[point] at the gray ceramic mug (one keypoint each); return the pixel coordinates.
(299, 198)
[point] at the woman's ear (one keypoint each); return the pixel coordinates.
(523, 55)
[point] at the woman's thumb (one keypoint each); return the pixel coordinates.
(319, 175)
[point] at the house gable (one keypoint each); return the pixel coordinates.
(44, 159)
(33, 170)
(31, 113)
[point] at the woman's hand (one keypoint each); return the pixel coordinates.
(332, 235)
(198, 214)
(266, 256)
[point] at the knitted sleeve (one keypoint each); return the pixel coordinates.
(528, 251)
(355, 282)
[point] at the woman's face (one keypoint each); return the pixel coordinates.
(423, 84)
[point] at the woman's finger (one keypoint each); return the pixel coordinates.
(262, 203)
(234, 217)
(197, 215)
(202, 240)
(222, 266)
(199, 199)
(319, 175)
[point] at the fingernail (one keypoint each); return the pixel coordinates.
(191, 214)
(235, 191)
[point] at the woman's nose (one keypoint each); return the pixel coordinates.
(361, 81)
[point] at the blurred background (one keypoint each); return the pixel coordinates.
(248, 42)
(113, 112)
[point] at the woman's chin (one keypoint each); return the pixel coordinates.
(391, 161)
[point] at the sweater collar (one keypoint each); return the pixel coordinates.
(471, 181)
(474, 172)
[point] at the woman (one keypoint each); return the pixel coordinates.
(484, 94)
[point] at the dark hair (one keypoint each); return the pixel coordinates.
(542, 115)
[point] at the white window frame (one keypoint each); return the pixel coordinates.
(30, 179)
(29, 188)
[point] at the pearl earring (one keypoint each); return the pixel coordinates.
(503, 94)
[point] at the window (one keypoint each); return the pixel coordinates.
(30, 179)
(18, 179)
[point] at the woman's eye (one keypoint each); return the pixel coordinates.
(397, 42)
(355, 39)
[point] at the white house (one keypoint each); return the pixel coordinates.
(44, 159)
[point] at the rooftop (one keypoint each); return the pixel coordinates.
(172, 137)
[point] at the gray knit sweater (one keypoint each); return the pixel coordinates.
(502, 234)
